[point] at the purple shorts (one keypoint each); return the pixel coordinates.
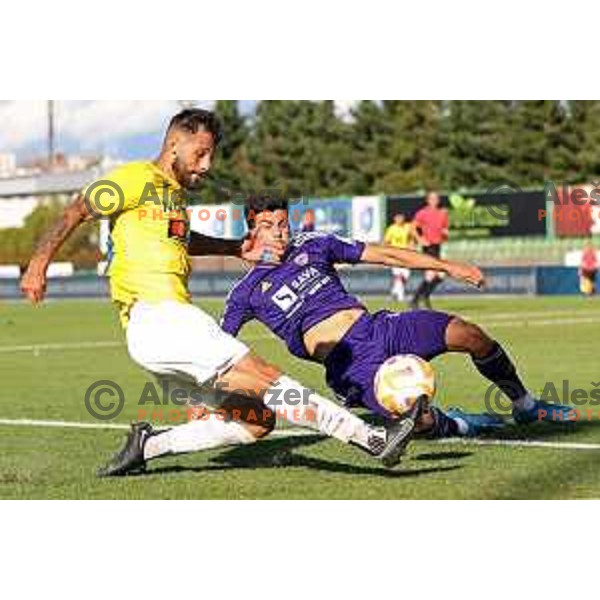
(351, 366)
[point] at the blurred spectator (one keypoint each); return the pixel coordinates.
(431, 230)
(588, 270)
(308, 221)
(399, 235)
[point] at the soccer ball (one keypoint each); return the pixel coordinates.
(401, 380)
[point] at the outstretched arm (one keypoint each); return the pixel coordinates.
(33, 283)
(399, 257)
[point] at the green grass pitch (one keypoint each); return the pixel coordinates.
(552, 339)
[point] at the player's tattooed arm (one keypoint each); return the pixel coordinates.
(33, 282)
(249, 248)
(410, 259)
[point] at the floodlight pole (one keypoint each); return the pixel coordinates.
(50, 107)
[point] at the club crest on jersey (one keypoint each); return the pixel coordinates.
(301, 260)
(265, 286)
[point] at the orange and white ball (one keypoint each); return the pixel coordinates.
(401, 380)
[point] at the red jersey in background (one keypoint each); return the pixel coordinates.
(433, 223)
(589, 260)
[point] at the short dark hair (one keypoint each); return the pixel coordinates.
(256, 205)
(193, 120)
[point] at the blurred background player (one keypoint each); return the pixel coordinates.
(308, 221)
(430, 227)
(399, 235)
(588, 270)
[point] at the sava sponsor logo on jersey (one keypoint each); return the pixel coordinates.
(306, 276)
(318, 285)
(285, 298)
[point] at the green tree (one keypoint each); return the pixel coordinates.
(413, 130)
(370, 139)
(17, 245)
(562, 144)
(300, 147)
(529, 154)
(230, 173)
(585, 121)
(477, 143)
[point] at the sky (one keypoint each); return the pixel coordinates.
(125, 129)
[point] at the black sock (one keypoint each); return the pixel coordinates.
(431, 286)
(421, 290)
(499, 369)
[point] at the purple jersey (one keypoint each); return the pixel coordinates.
(295, 295)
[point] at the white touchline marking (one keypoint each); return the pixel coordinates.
(544, 323)
(63, 424)
(121, 426)
(522, 443)
(528, 315)
(305, 432)
(60, 346)
(269, 336)
(580, 318)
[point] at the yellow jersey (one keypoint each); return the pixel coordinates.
(149, 227)
(399, 236)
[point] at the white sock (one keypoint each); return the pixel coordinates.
(196, 436)
(316, 412)
(527, 402)
(399, 290)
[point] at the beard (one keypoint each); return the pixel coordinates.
(185, 177)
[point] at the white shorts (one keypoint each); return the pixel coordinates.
(180, 342)
(401, 272)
